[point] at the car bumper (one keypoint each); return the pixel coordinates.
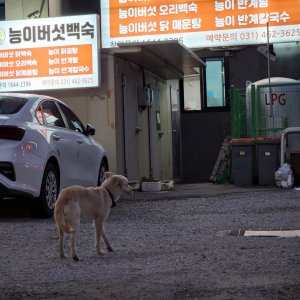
(28, 168)
(5, 192)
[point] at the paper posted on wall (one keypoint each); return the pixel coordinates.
(284, 176)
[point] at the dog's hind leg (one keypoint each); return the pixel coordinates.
(73, 236)
(106, 241)
(73, 219)
(61, 244)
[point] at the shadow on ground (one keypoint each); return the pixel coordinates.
(17, 208)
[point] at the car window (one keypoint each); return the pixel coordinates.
(72, 120)
(10, 105)
(51, 114)
(39, 115)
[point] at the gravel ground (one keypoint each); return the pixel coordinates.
(164, 249)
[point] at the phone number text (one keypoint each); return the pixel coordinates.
(15, 84)
(253, 35)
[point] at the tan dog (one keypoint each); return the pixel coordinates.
(93, 203)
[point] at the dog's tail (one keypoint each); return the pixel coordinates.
(60, 217)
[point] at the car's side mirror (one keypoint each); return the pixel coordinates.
(90, 130)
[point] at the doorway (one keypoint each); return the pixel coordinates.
(176, 134)
(155, 134)
(130, 128)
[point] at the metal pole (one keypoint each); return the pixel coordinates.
(269, 77)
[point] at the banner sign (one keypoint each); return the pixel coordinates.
(49, 53)
(200, 23)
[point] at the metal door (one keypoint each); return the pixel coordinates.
(155, 134)
(131, 128)
(176, 133)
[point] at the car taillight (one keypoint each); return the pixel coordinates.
(7, 169)
(11, 133)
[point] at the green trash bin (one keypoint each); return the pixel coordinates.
(242, 158)
(267, 151)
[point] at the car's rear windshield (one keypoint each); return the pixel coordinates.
(10, 105)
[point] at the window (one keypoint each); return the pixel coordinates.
(51, 114)
(192, 92)
(206, 91)
(2, 11)
(11, 105)
(215, 83)
(73, 122)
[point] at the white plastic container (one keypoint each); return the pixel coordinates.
(154, 186)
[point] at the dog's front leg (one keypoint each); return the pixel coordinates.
(105, 238)
(98, 232)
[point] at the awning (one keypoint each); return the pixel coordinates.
(169, 60)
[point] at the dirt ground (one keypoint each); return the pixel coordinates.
(164, 249)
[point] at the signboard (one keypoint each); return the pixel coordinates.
(50, 53)
(200, 23)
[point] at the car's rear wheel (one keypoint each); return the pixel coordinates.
(102, 170)
(49, 191)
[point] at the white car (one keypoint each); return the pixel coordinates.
(44, 148)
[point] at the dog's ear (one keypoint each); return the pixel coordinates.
(108, 174)
(117, 181)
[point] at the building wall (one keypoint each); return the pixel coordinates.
(133, 71)
(249, 64)
(203, 132)
(202, 137)
(79, 7)
(25, 9)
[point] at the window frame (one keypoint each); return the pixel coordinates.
(64, 108)
(203, 89)
(44, 112)
(226, 86)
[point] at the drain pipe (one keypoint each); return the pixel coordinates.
(285, 132)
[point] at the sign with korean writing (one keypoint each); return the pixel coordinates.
(200, 23)
(50, 53)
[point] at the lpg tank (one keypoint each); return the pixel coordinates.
(272, 108)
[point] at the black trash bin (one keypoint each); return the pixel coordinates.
(242, 157)
(267, 151)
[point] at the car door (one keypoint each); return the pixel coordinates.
(62, 141)
(89, 156)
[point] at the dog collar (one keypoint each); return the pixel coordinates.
(113, 202)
